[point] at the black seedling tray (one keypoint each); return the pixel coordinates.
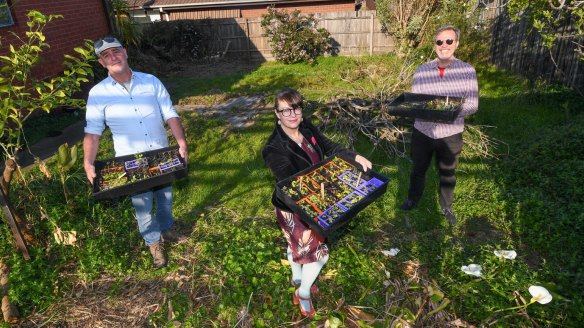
(345, 193)
(125, 175)
(416, 105)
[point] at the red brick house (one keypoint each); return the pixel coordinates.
(82, 19)
(168, 10)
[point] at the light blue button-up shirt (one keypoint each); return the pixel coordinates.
(135, 118)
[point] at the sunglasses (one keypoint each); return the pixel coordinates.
(448, 42)
(99, 43)
(297, 109)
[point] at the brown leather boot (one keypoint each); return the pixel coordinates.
(158, 256)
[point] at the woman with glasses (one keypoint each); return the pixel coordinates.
(296, 144)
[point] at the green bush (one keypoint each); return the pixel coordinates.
(294, 38)
(176, 41)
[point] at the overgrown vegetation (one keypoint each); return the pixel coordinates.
(293, 36)
(551, 19)
(412, 24)
(168, 46)
(230, 270)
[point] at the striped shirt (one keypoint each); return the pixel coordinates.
(460, 80)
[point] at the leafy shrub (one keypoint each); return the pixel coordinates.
(175, 41)
(294, 38)
(23, 94)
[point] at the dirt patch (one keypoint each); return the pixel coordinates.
(105, 302)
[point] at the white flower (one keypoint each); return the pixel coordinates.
(540, 294)
(510, 255)
(472, 269)
(391, 252)
(422, 57)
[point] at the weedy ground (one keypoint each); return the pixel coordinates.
(230, 270)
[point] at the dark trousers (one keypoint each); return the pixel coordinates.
(447, 151)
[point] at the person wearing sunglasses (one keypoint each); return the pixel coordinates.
(446, 75)
(135, 106)
(294, 145)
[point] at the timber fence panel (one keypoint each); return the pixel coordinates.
(352, 33)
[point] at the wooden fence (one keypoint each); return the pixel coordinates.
(516, 48)
(352, 33)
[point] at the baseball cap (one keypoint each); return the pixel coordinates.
(105, 43)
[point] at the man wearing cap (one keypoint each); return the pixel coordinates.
(446, 75)
(135, 107)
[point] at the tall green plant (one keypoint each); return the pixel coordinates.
(128, 30)
(21, 94)
(66, 158)
(293, 37)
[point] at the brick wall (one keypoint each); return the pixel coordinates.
(82, 19)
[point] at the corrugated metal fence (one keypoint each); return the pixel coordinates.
(516, 49)
(353, 33)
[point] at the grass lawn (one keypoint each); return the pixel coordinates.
(231, 269)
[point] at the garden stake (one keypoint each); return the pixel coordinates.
(359, 179)
(322, 191)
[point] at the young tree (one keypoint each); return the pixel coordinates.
(406, 21)
(548, 17)
(21, 94)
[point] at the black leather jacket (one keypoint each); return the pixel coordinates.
(285, 158)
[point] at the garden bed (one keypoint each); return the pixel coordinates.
(426, 107)
(124, 175)
(330, 193)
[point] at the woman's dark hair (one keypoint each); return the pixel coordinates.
(291, 96)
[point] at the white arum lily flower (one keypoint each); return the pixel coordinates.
(540, 294)
(472, 269)
(391, 252)
(510, 255)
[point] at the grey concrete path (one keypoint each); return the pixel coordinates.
(48, 146)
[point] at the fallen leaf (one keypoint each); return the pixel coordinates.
(359, 314)
(65, 237)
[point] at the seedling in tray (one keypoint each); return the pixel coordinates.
(327, 192)
(116, 173)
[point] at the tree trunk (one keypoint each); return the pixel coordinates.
(9, 311)
(25, 229)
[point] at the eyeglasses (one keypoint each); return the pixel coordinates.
(448, 42)
(109, 39)
(297, 109)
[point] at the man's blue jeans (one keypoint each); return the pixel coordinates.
(152, 226)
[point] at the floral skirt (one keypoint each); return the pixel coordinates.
(307, 245)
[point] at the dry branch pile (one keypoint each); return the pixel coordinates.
(369, 118)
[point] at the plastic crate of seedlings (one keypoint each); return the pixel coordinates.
(129, 174)
(426, 107)
(330, 193)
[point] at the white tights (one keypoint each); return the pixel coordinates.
(306, 274)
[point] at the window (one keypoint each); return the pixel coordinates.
(5, 14)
